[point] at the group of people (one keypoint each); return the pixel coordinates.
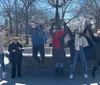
(77, 43)
(76, 49)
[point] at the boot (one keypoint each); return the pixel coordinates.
(61, 71)
(93, 72)
(43, 60)
(56, 71)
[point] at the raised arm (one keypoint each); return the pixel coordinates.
(70, 33)
(65, 30)
(45, 38)
(91, 33)
(51, 29)
(85, 30)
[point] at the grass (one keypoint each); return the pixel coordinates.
(22, 40)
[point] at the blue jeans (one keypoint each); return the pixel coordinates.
(2, 61)
(83, 60)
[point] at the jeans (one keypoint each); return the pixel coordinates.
(2, 61)
(83, 60)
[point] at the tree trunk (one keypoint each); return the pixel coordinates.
(10, 22)
(16, 25)
(26, 27)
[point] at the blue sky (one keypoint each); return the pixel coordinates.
(74, 5)
(1, 20)
(45, 5)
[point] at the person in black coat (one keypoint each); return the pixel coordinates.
(15, 49)
(96, 39)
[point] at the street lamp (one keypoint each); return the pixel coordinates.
(60, 3)
(57, 4)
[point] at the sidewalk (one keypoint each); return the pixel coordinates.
(47, 78)
(32, 77)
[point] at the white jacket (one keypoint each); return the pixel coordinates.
(80, 41)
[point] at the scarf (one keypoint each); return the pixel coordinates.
(78, 42)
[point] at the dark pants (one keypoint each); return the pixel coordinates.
(16, 67)
(2, 62)
(59, 56)
(39, 48)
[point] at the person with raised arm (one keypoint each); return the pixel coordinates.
(96, 39)
(58, 47)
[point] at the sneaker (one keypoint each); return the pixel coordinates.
(4, 75)
(71, 76)
(85, 76)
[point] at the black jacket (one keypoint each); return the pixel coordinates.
(15, 56)
(96, 41)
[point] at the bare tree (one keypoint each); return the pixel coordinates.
(16, 16)
(26, 10)
(7, 10)
(91, 10)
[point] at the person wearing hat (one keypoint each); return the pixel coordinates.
(2, 36)
(15, 55)
(58, 47)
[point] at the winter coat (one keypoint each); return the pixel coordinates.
(96, 41)
(16, 56)
(38, 36)
(58, 51)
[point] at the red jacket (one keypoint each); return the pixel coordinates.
(56, 39)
